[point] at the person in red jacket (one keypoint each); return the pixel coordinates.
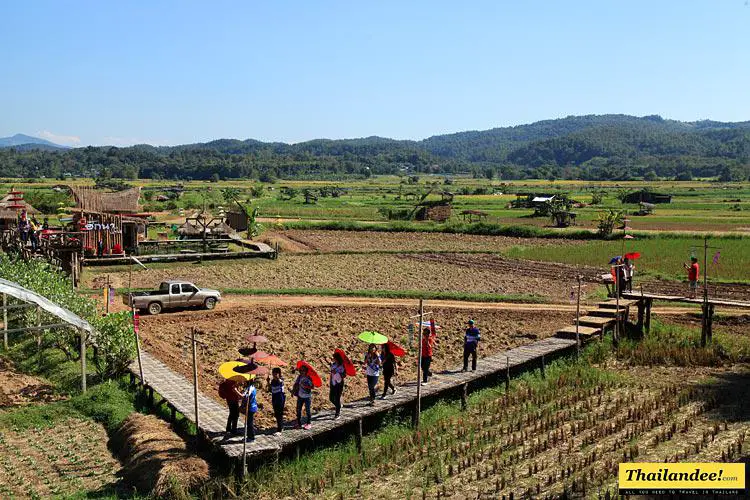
(428, 343)
(693, 272)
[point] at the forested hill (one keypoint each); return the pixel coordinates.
(577, 147)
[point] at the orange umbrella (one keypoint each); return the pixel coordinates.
(349, 367)
(272, 360)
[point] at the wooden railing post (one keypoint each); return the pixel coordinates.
(5, 321)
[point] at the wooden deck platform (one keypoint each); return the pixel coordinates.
(687, 300)
(178, 391)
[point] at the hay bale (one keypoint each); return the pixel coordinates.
(155, 459)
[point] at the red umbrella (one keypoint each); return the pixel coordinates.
(633, 255)
(349, 367)
(272, 360)
(396, 349)
(256, 339)
(316, 380)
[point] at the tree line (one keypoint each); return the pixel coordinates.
(607, 147)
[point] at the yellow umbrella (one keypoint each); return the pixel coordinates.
(226, 370)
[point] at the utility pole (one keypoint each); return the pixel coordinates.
(193, 342)
(419, 365)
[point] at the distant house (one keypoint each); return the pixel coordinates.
(644, 196)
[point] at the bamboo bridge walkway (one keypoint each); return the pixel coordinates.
(177, 392)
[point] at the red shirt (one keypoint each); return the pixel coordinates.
(228, 392)
(693, 272)
(427, 345)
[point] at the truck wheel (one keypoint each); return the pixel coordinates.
(209, 303)
(154, 308)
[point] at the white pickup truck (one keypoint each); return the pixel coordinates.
(171, 295)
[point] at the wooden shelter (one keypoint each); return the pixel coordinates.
(11, 205)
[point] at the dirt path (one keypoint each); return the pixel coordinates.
(243, 301)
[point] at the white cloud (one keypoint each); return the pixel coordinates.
(66, 140)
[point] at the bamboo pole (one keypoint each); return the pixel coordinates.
(195, 380)
(247, 415)
(83, 360)
(578, 318)
(136, 327)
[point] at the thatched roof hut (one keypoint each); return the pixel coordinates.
(118, 202)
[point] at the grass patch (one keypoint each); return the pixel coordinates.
(673, 345)
(661, 256)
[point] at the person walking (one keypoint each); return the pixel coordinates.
(621, 278)
(693, 272)
(251, 406)
(338, 372)
(627, 271)
(302, 388)
(372, 369)
(428, 344)
(471, 342)
(230, 392)
(278, 398)
(389, 370)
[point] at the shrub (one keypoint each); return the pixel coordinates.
(114, 334)
(115, 341)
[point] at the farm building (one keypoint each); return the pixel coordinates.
(645, 196)
(114, 218)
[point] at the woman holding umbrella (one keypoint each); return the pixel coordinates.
(389, 367)
(338, 372)
(372, 369)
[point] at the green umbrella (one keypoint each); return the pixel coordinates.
(373, 338)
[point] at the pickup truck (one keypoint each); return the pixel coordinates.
(172, 294)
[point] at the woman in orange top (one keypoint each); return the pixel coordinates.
(428, 343)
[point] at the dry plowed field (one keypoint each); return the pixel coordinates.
(313, 333)
(425, 272)
(379, 241)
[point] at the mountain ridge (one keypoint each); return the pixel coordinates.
(24, 141)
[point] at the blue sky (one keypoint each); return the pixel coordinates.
(174, 72)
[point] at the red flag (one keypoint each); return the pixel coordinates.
(136, 322)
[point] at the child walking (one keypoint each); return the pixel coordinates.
(278, 398)
(252, 408)
(303, 387)
(471, 341)
(372, 369)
